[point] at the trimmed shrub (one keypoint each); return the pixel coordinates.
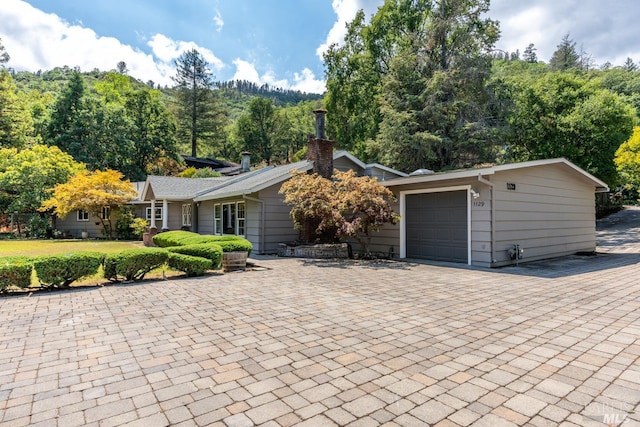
(133, 264)
(62, 270)
(183, 238)
(15, 271)
(210, 251)
(188, 264)
(242, 245)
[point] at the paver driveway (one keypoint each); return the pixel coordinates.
(322, 343)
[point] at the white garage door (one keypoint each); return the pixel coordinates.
(436, 226)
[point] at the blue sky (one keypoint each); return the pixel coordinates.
(279, 42)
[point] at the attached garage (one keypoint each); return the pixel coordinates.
(494, 216)
(437, 225)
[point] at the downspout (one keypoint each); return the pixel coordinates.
(493, 215)
(262, 221)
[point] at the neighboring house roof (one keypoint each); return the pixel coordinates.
(176, 188)
(599, 185)
(384, 168)
(205, 162)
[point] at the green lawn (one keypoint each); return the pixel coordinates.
(53, 247)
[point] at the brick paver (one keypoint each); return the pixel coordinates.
(320, 343)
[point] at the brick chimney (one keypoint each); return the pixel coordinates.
(320, 149)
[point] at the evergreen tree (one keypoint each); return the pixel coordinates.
(530, 54)
(434, 97)
(629, 65)
(4, 56)
(200, 119)
(565, 56)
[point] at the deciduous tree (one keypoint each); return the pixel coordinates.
(28, 176)
(628, 160)
(347, 205)
(91, 192)
(563, 115)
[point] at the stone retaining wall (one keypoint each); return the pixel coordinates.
(337, 250)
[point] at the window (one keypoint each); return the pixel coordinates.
(158, 214)
(106, 212)
(186, 215)
(229, 218)
(217, 219)
(83, 215)
(241, 220)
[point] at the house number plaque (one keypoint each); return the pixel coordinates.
(511, 186)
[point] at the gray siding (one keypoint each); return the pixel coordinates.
(278, 224)
(205, 217)
(343, 164)
(74, 228)
(550, 213)
(253, 224)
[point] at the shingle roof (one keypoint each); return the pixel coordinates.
(175, 188)
(253, 181)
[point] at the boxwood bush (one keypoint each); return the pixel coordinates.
(188, 264)
(62, 270)
(15, 271)
(133, 264)
(182, 238)
(210, 251)
(240, 244)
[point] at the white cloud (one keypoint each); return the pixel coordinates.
(304, 81)
(346, 10)
(605, 30)
(40, 41)
(307, 82)
(167, 50)
(218, 21)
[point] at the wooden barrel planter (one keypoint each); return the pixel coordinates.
(234, 261)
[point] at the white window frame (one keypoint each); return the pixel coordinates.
(82, 216)
(106, 212)
(217, 219)
(187, 214)
(158, 213)
(239, 222)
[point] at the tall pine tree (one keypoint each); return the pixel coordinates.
(200, 119)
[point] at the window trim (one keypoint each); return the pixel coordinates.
(158, 213)
(187, 214)
(82, 215)
(106, 212)
(239, 223)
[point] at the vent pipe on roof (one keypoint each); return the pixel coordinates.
(245, 163)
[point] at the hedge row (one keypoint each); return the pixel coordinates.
(133, 264)
(210, 252)
(184, 238)
(130, 264)
(15, 271)
(62, 270)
